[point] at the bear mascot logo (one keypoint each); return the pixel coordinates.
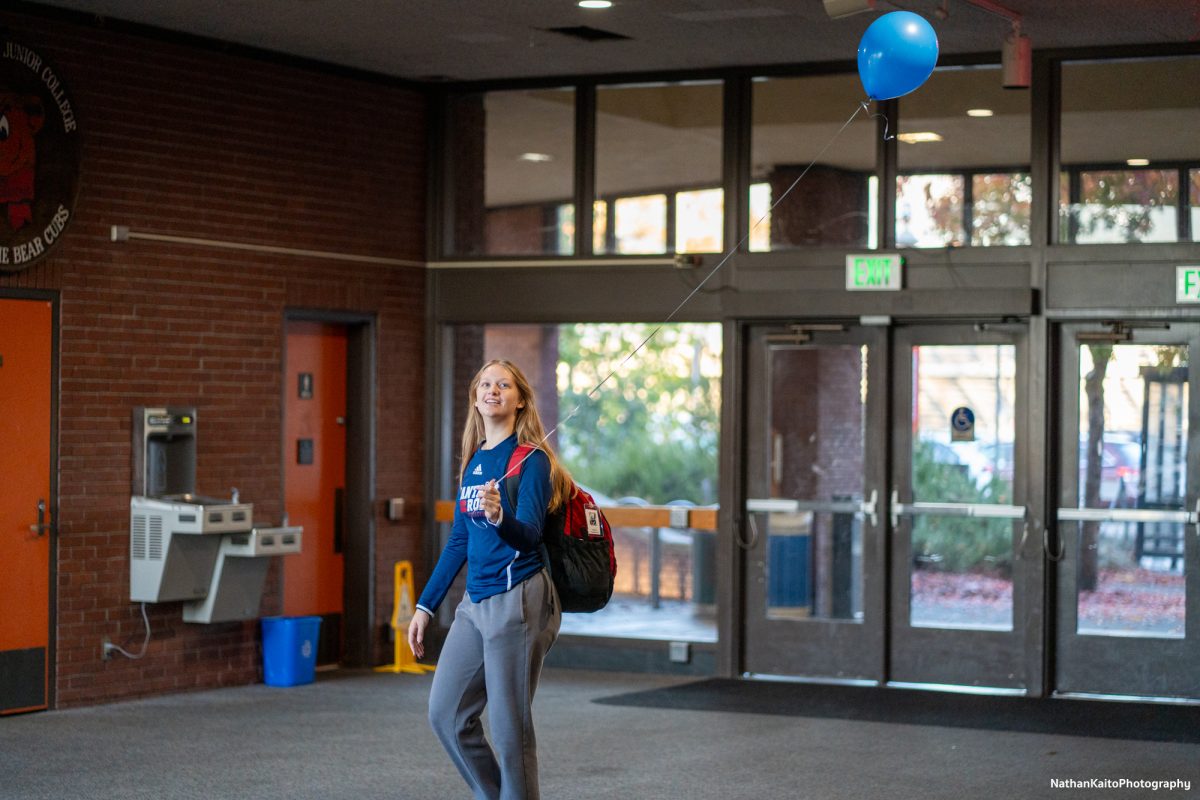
(20, 120)
(39, 157)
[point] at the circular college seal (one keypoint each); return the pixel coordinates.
(39, 156)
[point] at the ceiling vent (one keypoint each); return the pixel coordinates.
(587, 33)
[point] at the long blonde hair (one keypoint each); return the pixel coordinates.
(528, 427)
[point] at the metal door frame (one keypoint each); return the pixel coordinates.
(829, 649)
(995, 661)
(1107, 664)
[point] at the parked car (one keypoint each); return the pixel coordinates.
(982, 461)
(1120, 469)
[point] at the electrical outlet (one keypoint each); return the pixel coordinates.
(106, 649)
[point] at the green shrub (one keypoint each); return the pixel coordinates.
(959, 544)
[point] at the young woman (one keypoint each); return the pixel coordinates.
(510, 615)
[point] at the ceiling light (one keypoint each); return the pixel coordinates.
(919, 137)
(980, 112)
(836, 9)
(595, 3)
(537, 158)
(1138, 162)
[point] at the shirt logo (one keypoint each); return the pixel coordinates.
(478, 469)
(470, 500)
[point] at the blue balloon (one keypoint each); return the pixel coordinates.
(896, 55)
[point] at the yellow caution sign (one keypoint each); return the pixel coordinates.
(402, 613)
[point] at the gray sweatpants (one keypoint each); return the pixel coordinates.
(493, 656)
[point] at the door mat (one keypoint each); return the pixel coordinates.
(1061, 716)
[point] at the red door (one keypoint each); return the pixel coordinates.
(25, 357)
(315, 476)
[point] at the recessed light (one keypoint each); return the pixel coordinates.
(980, 112)
(595, 3)
(919, 137)
(1138, 162)
(536, 158)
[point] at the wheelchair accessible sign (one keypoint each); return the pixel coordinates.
(962, 425)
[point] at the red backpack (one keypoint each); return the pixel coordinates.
(577, 544)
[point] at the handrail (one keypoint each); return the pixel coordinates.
(699, 519)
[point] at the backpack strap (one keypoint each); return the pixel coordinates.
(513, 483)
(513, 470)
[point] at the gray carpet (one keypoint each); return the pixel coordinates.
(362, 735)
(1153, 722)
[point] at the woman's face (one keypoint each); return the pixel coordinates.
(496, 394)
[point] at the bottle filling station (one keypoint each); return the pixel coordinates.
(205, 551)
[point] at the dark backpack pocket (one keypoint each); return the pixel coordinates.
(581, 573)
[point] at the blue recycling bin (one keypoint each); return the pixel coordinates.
(789, 565)
(290, 650)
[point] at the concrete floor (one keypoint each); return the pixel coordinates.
(360, 735)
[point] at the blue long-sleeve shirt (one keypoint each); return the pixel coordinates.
(497, 557)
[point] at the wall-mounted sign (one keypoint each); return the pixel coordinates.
(1187, 284)
(39, 156)
(962, 425)
(874, 272)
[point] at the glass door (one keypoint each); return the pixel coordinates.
(1128, 600)
(959, 602)
(816, 404)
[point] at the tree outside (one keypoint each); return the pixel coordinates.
(652, 430)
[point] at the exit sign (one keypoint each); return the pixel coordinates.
(874, 272)
(1187, 284)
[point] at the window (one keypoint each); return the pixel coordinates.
(698, 217)
(648, 437)
(511, 158)
(963, 153)
(929, 211)
(1122, 205)
(797, 121)
(640, 224)
(1129, 151)
(656, 144)
(1194, 203)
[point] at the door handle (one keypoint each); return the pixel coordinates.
(42, 526)
(780, 505)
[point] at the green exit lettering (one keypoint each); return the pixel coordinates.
(1187, 284)
(873, 272)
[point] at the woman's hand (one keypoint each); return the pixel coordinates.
(491, 502)
(416, 633)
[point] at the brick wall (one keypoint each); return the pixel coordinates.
(831, 209)
(186, 140)
(817, 411)
(519, 230)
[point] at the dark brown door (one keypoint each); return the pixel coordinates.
(1129, 489)
(814, 542)
(965, 571)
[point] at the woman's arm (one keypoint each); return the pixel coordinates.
(522, 530)
(453, 556)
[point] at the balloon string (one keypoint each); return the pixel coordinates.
(862, 106)
(886, 122)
